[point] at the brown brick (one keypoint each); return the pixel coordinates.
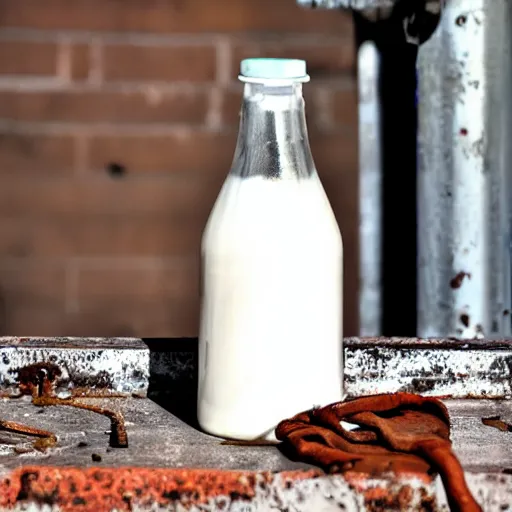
(31, 292)
(344, 107)
(151, 106)
(336, 159)
(145, 319)
(80, 61)
(174, 197)
(159, 63)
(35, 153)
(231, 105)
(30, 320)
(98, 236)
(190, 151)
(161, 280)
(166, 16)
(29, 282)
(28, 58)
(324, 59)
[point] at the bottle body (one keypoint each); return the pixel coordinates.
(271, 306)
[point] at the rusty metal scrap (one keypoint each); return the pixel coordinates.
(45, 439)
(118, 434)
(396, 432)
(38, 380)
(498, 423)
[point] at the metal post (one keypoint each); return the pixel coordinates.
(370, 191)
(464, 172)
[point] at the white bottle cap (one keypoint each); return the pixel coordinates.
(273, 70)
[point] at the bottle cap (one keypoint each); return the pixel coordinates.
(273, 69)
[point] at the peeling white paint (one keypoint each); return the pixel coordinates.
(123, 363)
(431, 372)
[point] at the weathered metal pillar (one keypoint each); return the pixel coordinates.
(370, 192)
(464, 172)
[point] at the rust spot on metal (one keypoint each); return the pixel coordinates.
(398, 496)
(379, 499)
(463, 131)
(497, 422)
(123, 488)
(456, 282)
(464, 318)
(38, 379)
(461, 20)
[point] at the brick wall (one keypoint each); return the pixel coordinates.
(118, 121)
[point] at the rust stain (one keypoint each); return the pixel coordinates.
(96, 489)
(38, 379)
(456, 282)
(392, 497)
(359, 479)
(461, 20)
(42, 379)
(464, 318)
(498, 423)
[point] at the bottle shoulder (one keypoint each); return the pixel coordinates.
(255, 211)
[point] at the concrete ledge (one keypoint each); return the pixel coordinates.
(170, 465)
(127, 366)
(432, 367)
(74, 366)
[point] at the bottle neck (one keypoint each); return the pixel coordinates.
(273, 139)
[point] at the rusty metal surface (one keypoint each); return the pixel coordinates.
(169, 462)
(44, 489)
(464, 77)
(159, 439)
(97, 489)
(74, 366)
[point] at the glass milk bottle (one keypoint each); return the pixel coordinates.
(270, 342)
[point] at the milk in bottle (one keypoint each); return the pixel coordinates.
(270, 342)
